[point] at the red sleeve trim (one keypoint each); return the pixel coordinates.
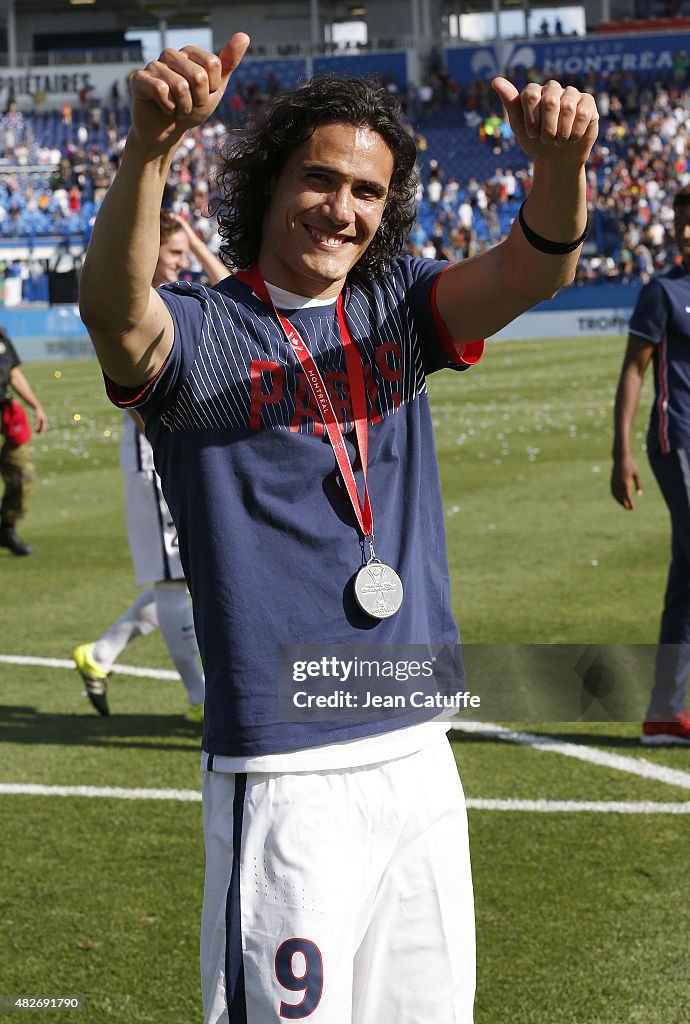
(123, 397)
(465, 352)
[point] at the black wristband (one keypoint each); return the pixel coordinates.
(543, 244)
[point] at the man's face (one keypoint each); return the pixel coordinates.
(682, 231)
(324, 209)
(173, 257)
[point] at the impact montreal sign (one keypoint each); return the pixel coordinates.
(639, 54)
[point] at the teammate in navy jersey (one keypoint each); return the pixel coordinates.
(287, 408)
(660, 331)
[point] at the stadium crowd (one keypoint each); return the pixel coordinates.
(57, 167)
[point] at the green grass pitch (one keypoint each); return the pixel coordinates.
(582, 918)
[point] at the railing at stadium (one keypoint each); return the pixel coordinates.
(57, 58)
(131, 55)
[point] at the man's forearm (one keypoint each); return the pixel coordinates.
(625, 409)
(556, 210)
(557, 202)
(22, 388)
(628, 393)
(116, 278)
(479, 296)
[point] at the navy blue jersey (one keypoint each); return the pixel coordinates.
(662, 316)
(268, 538)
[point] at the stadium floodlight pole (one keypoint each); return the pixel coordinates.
(496, 8)
(315, 21)
(11, 29)
(415, 19)
(426, 19)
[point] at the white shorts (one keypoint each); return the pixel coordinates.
(339, 896)
(150, 529)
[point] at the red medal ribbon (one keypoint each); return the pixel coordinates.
(355, 374)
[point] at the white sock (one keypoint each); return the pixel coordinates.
(140, 619)
(177, 629)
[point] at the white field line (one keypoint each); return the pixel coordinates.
(122, 670)
(593, 755)
(112, 792)
(194, 796)
(587, 806)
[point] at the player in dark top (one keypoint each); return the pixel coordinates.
(660, 333)
(16, 467)
(287, 409)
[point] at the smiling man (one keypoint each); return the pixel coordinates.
(287, 407)
(325, 208)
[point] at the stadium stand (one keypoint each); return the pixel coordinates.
(57, 165)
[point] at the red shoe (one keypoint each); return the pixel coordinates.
(674, 731)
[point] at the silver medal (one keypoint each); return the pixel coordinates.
(378, 589)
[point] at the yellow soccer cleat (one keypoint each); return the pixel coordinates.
(94, 677)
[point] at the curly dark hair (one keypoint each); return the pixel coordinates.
(252, 157)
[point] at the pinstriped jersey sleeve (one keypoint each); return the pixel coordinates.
(418, 279)
(650, 316)
(186, 306)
